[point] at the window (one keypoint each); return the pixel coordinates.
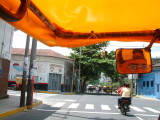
(152, 83)
(143, 83)
(147, 83)
(158, 88)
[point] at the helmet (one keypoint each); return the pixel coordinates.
(126, 85)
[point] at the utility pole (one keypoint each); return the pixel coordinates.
(79, 80)
(31, 67)
(25, 68)
(1, 57)
(132, 86)
(73, 74)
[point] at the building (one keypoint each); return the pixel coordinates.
(52, 71)
(6, 35)
(149, 84)
(104, 79)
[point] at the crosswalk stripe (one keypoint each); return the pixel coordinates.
(153, 110)
(137, 109)
(74, 105)
(116, 106)
(89, 106)
(59, 104)
(105, 107)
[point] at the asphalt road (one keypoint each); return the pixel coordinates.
(87, 107)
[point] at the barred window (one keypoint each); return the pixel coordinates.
(147, 83)
(152, 83)
(143, 83)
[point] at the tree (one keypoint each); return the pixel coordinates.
(92, 63)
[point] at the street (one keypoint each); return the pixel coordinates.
(86, 107)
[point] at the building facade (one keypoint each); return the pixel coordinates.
(6, 35)
(52, 71)
(149, 84)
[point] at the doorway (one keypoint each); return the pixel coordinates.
(54, 82)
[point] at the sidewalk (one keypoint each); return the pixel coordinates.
(10, 106)
(144, 97)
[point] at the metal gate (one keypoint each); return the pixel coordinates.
(54, 81)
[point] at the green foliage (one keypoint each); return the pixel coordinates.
(105, 83)
(94, 82)
(115, 85)
(127, 81)
(92, 64)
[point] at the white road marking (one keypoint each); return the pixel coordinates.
(89, 112)
(116, 106)
(153, 110)
(74, 105)
(105, 107)
(70, 100)
(138, 117)
(79, 111)
(89, 106)
(59, 104)
(137, 109)
(147, 115)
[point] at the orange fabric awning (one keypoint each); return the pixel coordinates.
(70, 23)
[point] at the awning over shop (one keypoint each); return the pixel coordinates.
(74, 23)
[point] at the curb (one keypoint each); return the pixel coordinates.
(65, 93)
(143, 97)
(5, 114)
(46, 92)
(69, 94)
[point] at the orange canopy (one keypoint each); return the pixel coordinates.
(75, 23)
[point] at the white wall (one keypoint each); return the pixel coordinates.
(43, 65)
(48, 65)
(6, 36)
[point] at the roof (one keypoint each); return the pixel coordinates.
(75, 23)
(40, 52)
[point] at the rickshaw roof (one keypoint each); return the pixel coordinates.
(75, 23)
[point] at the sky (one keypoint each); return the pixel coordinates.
(19, 41)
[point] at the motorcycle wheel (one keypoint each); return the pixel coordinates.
(123, 110)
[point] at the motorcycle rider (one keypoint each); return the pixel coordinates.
(120, 89)
(125, 94)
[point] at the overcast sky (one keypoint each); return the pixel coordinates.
(19, 41)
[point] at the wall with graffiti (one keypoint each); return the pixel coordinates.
(42, 68)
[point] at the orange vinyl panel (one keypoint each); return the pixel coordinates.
(85, 22)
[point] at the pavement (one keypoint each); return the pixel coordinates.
(10, 105)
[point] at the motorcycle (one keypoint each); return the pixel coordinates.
(125, 106)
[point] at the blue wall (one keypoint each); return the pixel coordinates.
(157, 84)
(148, 83)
